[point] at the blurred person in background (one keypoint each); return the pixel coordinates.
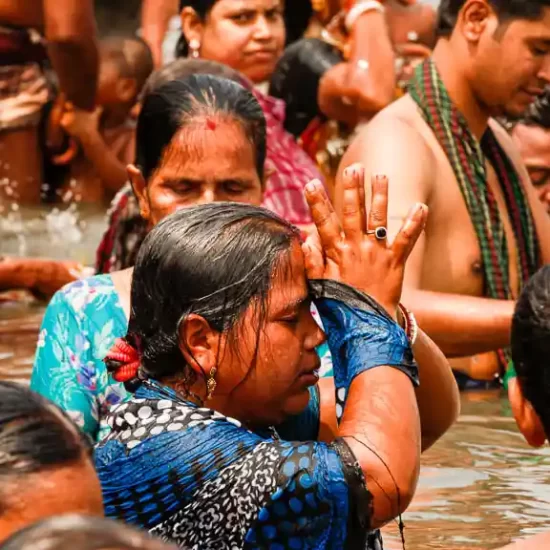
(77, 532)
(31, 33)
(46, 464)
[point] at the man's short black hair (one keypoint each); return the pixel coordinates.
(531, 344)
(505, 9)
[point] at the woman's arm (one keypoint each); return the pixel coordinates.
(39, 275)
(365, 84)
(437, 396)
(372, 359)
(382, 428)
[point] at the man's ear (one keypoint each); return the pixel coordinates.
(527, 419)
(474, 18)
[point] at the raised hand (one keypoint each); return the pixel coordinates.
(355, 249)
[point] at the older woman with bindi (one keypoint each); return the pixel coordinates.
(200, 139)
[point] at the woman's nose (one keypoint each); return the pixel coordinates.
(262, 29)
(315, 336)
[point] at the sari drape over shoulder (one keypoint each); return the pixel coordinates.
(202, 480)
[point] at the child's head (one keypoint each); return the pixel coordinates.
(125, 65)
(530, 392)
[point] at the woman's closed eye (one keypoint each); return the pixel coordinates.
(292, 316)
(291, 320)
(234, 187)
(181, 186)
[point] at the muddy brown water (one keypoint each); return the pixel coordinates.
(481, 486)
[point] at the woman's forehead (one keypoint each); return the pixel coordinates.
(249, 4)
(289, 280)
(222, 142)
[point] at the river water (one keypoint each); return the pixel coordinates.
(481, 486)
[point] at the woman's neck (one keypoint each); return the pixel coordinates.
(196, 394)
(122, 281)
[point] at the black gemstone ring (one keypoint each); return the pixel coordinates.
(380, 233)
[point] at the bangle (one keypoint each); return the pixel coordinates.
(359, 9)
(411, 326)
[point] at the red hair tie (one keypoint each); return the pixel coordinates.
(128, 359)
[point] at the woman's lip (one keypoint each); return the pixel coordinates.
(262, 53)
(313, 371)
(310, 378)
(534, 92)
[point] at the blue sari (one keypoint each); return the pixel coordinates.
(192, 476)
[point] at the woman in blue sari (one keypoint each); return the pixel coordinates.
(219, 446)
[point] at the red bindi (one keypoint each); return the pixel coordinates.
(211, 124)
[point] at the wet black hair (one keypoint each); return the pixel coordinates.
(538, 113)
(35, 434)
(172, 106)
(297, 17)
(506, 10)
(213, 260)
(531, 343)
(75, 532)
(296, 80)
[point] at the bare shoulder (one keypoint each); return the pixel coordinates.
(394, 142)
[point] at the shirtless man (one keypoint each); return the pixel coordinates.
(493, 58)
(69, 29)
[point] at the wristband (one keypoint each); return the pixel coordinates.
(411, 326)
(359, 9)
(361, 336)
(510, 374)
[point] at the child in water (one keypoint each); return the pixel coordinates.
(103, 140)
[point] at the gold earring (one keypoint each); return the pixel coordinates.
(211, 383)
(194, 47)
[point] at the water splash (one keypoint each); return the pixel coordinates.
(31, 234)
(11, 221)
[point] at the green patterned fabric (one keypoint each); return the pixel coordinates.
(468, 157)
